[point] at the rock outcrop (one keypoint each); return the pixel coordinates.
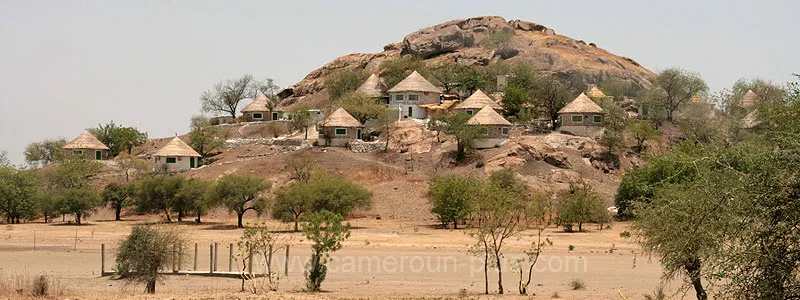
(460, 41)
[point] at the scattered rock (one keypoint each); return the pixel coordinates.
(557, 159)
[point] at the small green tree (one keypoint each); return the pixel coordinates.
(261, 241)
(194, 195)
(158, 193)
(17, 194)
(453, 197)
(326, 231)
(472, 79)
(146, 251)
(324, 191)
(448, 74)
(396, 69)
(79, 202)
(581, 204)
(119, 139)
(48, 205)
(118, 196)
(44, 152)
(343, 82)
(465, 134)
(676, 87)
(642, 131)
(551, 97)
(240, 193)
(301, 119)
(204, 137)
(361, 106)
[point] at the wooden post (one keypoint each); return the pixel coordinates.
(34, 240)
(286, 262)
(195, 257)
(250, 262)
(102, 259)
(211, 258)
(76, 240)
(180, 256)
(173, 259)
(216, 255)
(230, 257)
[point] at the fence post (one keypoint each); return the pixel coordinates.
(230, 257)
(76, 240)
(211, 258)
(195, 256)
(102, 259)
(173, 259)
(34, 241)
(216, 255)
(286, 262)
(180, 257)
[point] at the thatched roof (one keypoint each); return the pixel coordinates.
(751, 120)
(488, 116)
(415, 83)
(372, 87)
(176, 147)
(478, 100)
(750, 99)
(341, 118)
(581, 104)
(595, 92)
(86, 141)
(258, 104)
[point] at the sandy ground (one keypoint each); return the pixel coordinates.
(383, 259)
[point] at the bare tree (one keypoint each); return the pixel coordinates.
(224, 97)
(677, 87)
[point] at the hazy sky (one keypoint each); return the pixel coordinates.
(69, 65)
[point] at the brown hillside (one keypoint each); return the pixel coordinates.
(459, 40)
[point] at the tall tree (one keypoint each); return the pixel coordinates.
(581, 204)
(194, 196)
(465, 134)
(448, 73)
(343, 82)
(158, 193)
(79, 201)
(396, 69)
(17, 194)
(225, 96)
(676, 87)
(119, 139)
(204, 137)
(44, 152)
(118, 195)
(240, 193)
(324, 191)
(453, 197)
(301, 118)
(551, 97)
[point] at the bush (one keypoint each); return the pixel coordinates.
(145, 251)
(577, 284)
(625, 234)
(571, 247)
(40, 286)
(480, 164)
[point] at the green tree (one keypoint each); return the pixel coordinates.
(45, 152)
(326, 231)
(119, 139)
(642, 131)
(79, 201)
(324, 191)
(361, 106)
(225, 96)
(453, 197)
(396, 69)
(71, 173)
(343, 82)
(4, 158)
(194, 197)
(204, 137)
(301, 119)
(17, 194)
(240, 193)
(158, 193)
(448, 74)
(473, 79)
(551, 97)
(146, 251)
(48, 204)
(465, 134)
(118, 196)
(676, 87)
(581, 204)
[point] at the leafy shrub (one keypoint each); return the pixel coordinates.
(625, 234)
(480, 164)
(577, 284)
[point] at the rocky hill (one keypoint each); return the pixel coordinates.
(460, 40)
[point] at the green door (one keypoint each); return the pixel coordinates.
(274, 116)
(98, 155)
(410, 109)
(191, 162)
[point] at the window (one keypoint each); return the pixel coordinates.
(171, 160)
(77, 152)
(413, 97)
(410, 111)
(577, 119)
(398, 97)
(469, 112)
(504, 130)
(274, 116)
(341, 131)
(258, 116)
(598, 119)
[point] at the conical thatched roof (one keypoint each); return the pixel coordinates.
(478, 100)
(372, 87)
(595, 92)
(415, 83)
(750, 99)
(86, 141)
(488, 116)
(176, 147)
(581, 104)
(341, 118)
(258, 104)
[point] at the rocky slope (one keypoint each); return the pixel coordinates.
(459, 40)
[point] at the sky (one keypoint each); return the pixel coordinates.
(68, 65)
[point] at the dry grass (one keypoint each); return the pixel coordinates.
(24, 285)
